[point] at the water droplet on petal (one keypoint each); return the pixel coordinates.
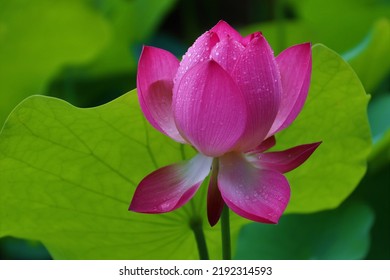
(164, 207)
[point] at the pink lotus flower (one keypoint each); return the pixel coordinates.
(227, 98)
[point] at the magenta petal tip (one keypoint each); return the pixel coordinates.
(287, 160)
(170, 187)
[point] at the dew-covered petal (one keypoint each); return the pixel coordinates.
(215, 202)
(224, 30)
(170, 187)
(156, 70)
(246, 40)
(295, 65)
(253, 193)
(227, 52)
(257, 75)
(209, 109)
(285, 161)
(198, 52)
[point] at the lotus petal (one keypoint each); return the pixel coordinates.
(170, 187)
(257, 75)
(295, 70)
(209, 109)
(253, 193)
(285, 161)
(156, 70)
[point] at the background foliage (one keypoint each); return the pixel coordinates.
(85, 52)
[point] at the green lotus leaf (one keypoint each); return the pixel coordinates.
(370, 59)
(38, 38)
(338, 234)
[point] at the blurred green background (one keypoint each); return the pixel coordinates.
(86, 52)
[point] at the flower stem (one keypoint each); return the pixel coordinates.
(197, 228)
(225, 232)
